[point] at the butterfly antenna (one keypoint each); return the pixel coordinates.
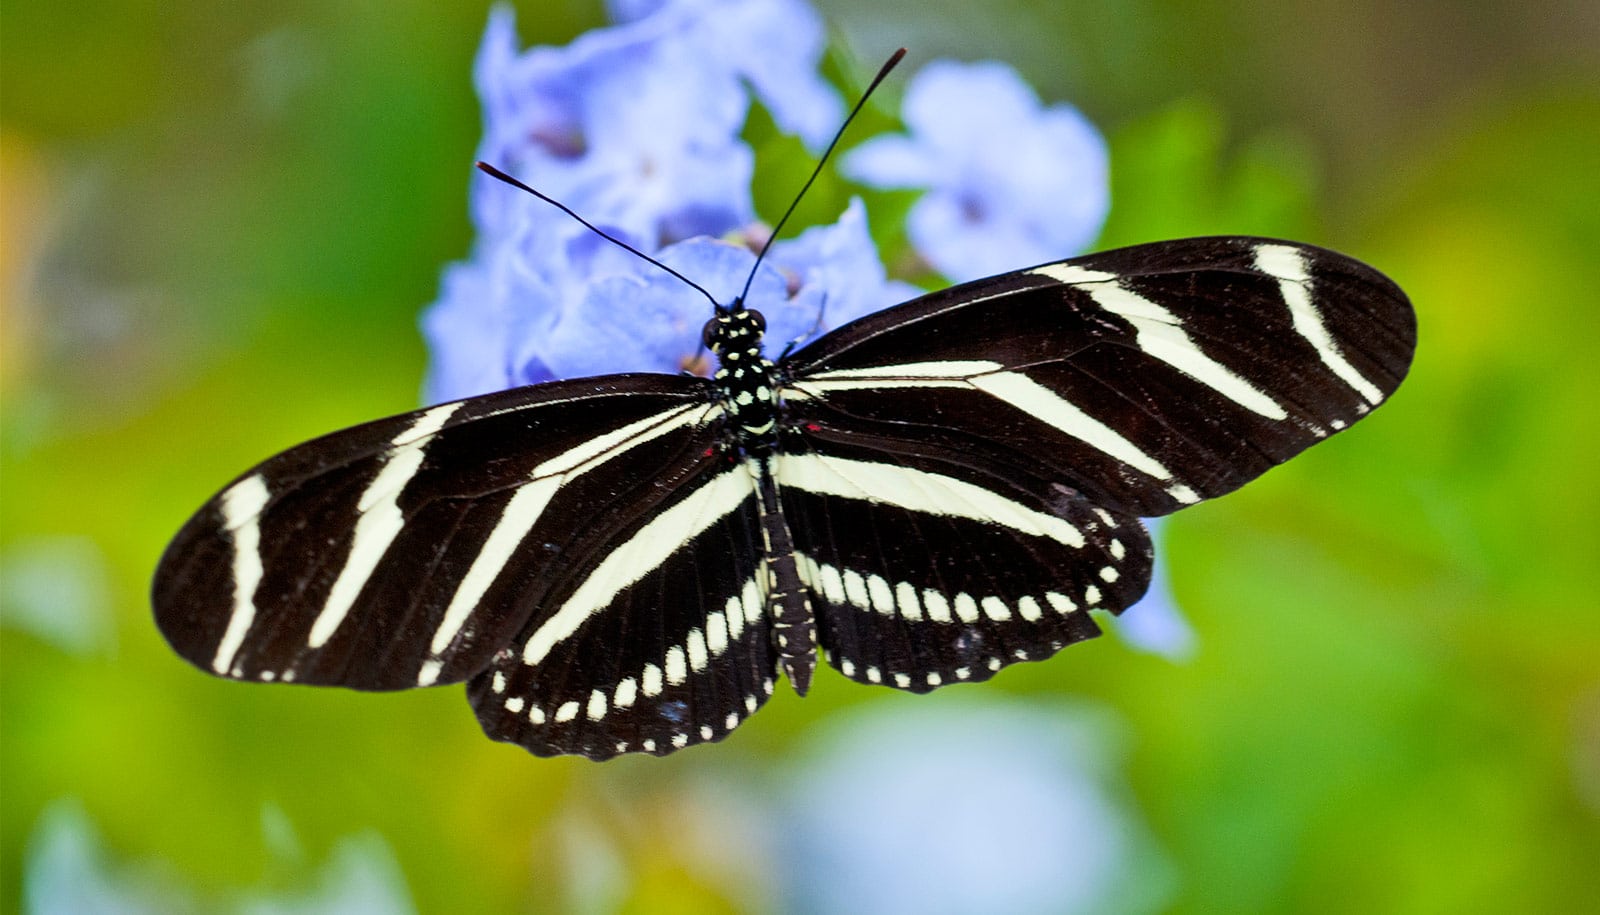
(882, 72)
(493, 172)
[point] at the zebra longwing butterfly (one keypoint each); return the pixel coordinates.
(625, 563)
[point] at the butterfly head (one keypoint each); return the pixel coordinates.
(735, 334)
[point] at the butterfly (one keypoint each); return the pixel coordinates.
(926, 495)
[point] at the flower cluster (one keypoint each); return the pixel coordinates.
(638, 127)
(1010, 184)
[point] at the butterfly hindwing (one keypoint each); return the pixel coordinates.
(1147, 378)
(409, 550)
(925, 573)
(658, 640)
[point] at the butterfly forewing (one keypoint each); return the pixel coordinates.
(408, 551)
(926, 573)
(1147, 378)
(658, 640)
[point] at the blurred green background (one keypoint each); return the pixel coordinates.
(221, 221)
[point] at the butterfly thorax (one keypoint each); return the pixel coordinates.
(744, 377)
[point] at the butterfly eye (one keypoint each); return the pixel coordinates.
(759, 321)
(708, 334)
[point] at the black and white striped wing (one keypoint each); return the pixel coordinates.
(1146, 378)
(924, 573)
(413, 550)
(659, 640)
(964, 472)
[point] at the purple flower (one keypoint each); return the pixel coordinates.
(489, 310)
(625, 125)
(1009, 183)
(834, 274)
(642, 319)
(1155, 625)
(636, 127)
(774, 45)
(499, 325)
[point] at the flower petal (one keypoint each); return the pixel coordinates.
(837, 276)
(1010, 184)
(776, 45)
(891, 161)
(953, 107)
(485, 309)
(1155, 625)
